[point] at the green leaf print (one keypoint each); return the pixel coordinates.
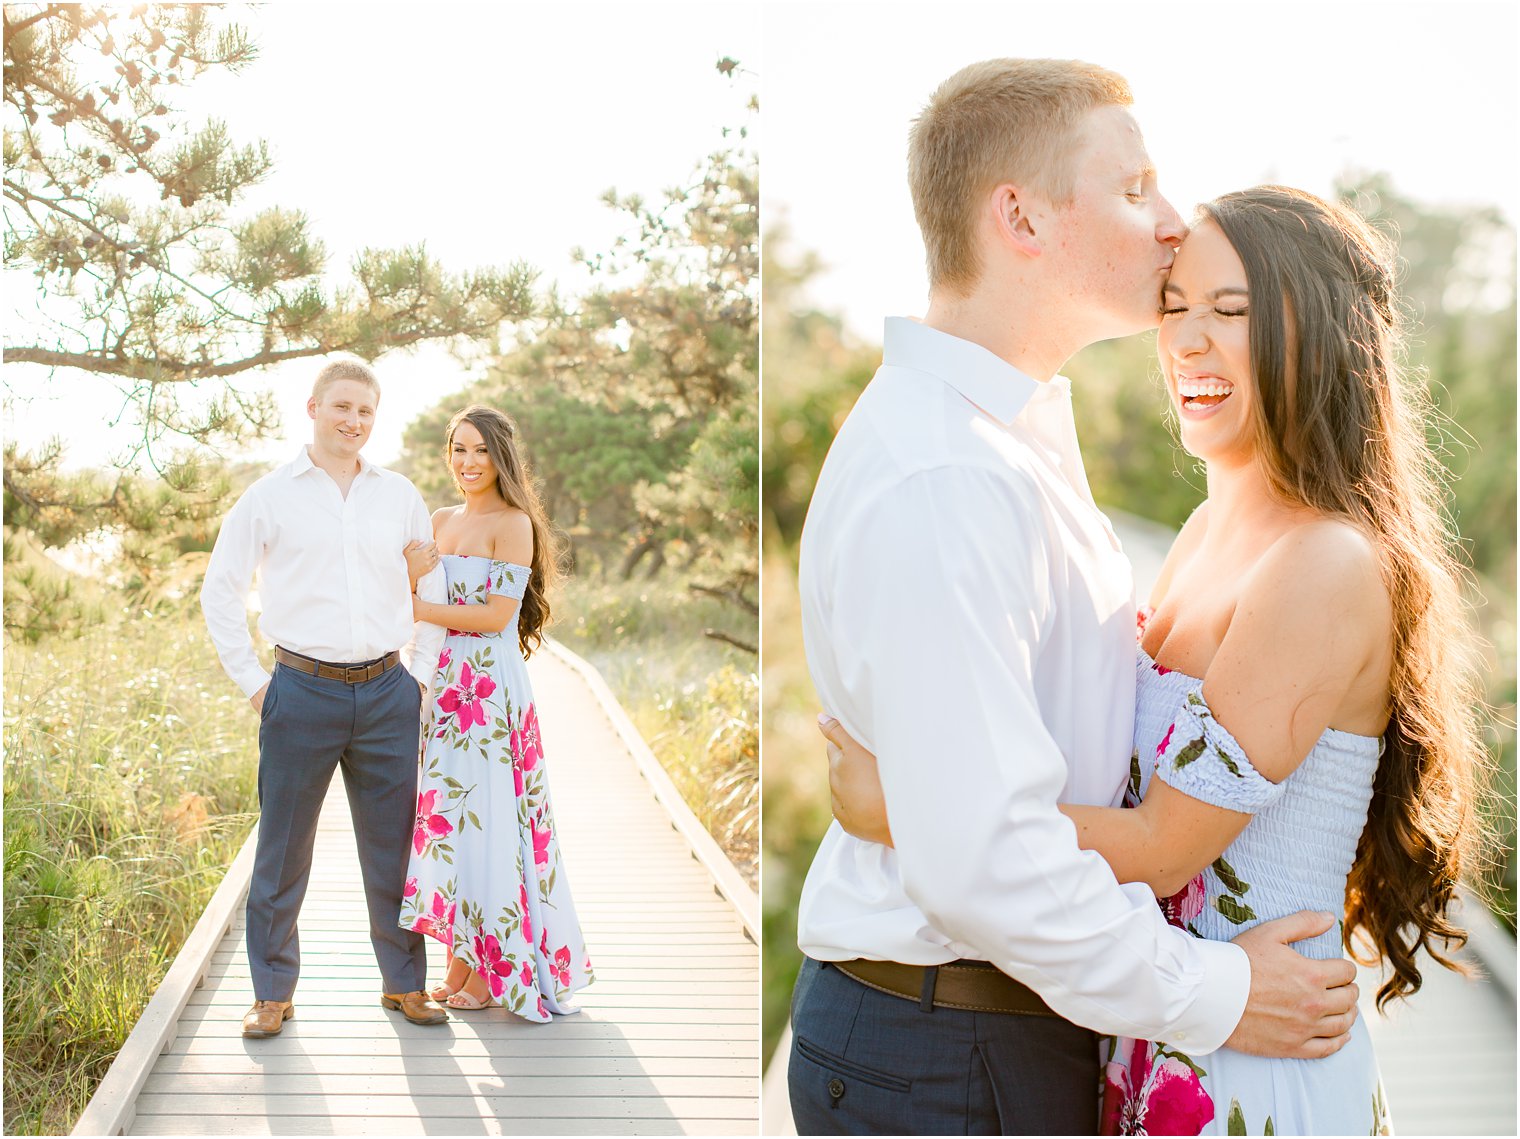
(475, 820)
(1134, 774)
(1229, 763)
(1236, 1124)
(1234, 909)
(1183, 1057)
(1188, 754)
(1228, 877)
(1200, 709)
(1267, 1130)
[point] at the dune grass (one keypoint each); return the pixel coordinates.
(695, 700)
(129, 784)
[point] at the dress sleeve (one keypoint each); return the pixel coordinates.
(508, 579)
(1200, 758)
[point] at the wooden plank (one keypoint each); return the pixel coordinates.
(614, 1045)
(528, 1063)
(426, 1108)
(415, 1087)
(328, 1125)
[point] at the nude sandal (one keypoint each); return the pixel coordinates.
(467, 1001)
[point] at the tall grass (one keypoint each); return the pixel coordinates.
(694, 699)
(129, 783)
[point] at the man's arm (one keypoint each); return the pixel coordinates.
(236, 556)
(939, 628)
(421, 652)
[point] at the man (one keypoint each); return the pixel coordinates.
(325, 533)
(969, 617)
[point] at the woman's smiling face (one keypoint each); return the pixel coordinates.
(1204, 346)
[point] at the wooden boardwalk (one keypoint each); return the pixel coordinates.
(668, 1042)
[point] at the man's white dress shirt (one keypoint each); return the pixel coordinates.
(332, 578)
(969, 617)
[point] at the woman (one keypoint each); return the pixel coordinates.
(1299, 702)
(485, 876)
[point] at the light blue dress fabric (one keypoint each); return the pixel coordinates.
(1295, 855)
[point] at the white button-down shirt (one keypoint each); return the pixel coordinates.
(969, 616)
(332, 578)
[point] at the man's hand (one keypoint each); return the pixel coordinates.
(855, 794)
(257, 699)
(1299, 1008)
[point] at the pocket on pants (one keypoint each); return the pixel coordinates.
(834, 1096)
(266, 709)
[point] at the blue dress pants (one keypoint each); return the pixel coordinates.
(865, 1062)
(308, 726)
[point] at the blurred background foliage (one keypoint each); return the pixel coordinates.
(1458, 287)
(129, 758)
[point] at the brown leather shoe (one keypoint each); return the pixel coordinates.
(266, 1018)
(417, 1007)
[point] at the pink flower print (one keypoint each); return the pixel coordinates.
(1143, 1097)
(543, 1012)
(527, 975)
(527, 918)
(527, 747)
(444, 658)
(543, 946)
(540, 843)
(1161, 669)
(429, 825)
(466, 700)
(1185, 905)
(517, 779)
(1143, 617)
(410, 888)
(438, 921)
(491, 964)
(1167, 739)
(560, 970)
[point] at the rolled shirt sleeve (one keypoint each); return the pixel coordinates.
(972, 776)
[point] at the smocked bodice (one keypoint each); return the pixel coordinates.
(1298, 849)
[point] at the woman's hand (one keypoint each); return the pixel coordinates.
(421, 560)
(855, 793)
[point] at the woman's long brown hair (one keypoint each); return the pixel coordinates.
(1339, 428)
(515, 483)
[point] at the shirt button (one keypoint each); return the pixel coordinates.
(836, 1088)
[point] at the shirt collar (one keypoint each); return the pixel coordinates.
(302, 463)
(984, 378)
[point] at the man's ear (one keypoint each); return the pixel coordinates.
(311, 408)
(1013, 221)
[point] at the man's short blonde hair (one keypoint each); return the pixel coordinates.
(1002, 120)
(344, 370)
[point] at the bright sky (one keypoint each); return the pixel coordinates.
(488, 132)
(1228, 96)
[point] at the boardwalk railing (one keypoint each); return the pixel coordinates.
(668, 1041)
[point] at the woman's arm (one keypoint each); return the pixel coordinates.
(511, 541)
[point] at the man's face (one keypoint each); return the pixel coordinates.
(342, 417)
(1116, 239)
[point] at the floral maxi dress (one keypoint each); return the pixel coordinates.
(485, 876)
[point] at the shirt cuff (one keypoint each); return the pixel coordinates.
(251, 680)
(1220, 1003)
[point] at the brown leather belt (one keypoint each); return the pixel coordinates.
(348, 673)
(977, 986)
